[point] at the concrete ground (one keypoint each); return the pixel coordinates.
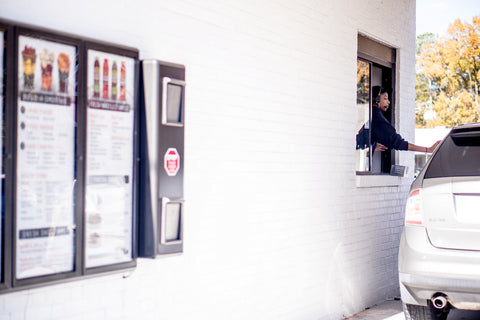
(387, 310)
(392, 310)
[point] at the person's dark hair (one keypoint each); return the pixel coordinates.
(377, 90)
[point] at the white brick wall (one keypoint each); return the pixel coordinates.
(277, 226)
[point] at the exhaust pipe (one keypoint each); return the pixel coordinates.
(439, 301)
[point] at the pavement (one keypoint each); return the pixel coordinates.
(387, 310)
(392, 310)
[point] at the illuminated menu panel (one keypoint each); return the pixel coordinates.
(45, 175)
(109, 159)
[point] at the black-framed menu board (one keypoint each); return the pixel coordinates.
(110, 154)
(68, 156)
(45, 156)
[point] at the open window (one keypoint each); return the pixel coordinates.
(375, 68)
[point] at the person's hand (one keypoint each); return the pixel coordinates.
(433, 147)
(380, 147)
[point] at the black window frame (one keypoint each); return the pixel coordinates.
(380, 56)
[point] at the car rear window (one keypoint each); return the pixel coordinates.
(458, 155)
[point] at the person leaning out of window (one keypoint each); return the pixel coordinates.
(384, 136)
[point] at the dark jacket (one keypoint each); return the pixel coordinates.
(385, 133)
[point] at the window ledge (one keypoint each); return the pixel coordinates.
(380, 180)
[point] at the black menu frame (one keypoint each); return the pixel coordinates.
(8, 124)
(11, 78)
(60, 39)
(132, 56)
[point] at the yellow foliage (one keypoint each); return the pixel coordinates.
(452, 65)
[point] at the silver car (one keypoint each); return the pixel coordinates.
(439, 256)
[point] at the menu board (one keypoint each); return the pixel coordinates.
(109, 161)
(1, 142)
(45, 174)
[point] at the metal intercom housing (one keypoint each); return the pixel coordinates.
(162, 117)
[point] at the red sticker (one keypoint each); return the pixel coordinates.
(171, 162)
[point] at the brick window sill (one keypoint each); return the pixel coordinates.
(380, 180)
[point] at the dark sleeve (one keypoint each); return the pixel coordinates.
(385, 133)
(362, 138)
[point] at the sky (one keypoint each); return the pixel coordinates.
(436, 15)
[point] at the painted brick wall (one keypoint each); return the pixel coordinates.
(277, 224)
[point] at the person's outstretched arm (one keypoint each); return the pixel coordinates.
(414, 147)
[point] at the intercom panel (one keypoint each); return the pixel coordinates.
(162, 158)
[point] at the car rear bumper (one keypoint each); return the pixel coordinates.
(425, 271)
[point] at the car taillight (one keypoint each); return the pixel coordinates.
(413, 210)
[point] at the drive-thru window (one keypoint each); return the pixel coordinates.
(375, 68)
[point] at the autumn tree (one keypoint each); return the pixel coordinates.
(448, 76)
(423, 84)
